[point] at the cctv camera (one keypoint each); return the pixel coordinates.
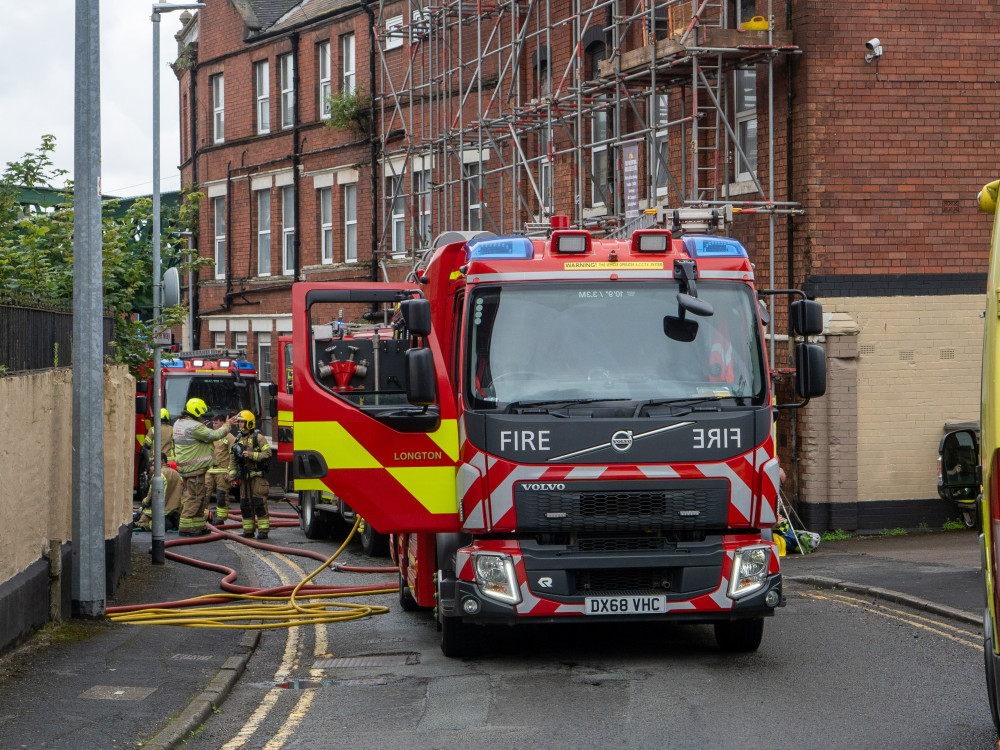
(873, 45)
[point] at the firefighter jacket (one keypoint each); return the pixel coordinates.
(221, 455)
(193, 447)
(255, 452)
(172, 488)
(166, 441)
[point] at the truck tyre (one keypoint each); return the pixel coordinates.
(315, 523)
(739, 636)
(459, 639)
(142, 480)
(991, 667)
(372, 543)
(406, 601)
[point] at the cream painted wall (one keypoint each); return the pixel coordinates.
(919, 362)
(36, 461)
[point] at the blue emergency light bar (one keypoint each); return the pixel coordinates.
(500, 248)
(714, 247)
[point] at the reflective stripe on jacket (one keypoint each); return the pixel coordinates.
(256, 450)
(193, 445)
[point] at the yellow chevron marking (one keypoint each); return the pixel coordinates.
(340, 449)
(432, 486)
(446, 436)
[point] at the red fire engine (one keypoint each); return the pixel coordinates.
(560, 429)
(226, 381)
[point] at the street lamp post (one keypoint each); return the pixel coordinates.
(157, 483)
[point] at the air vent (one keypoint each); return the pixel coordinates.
(866, 350)
(947, 354)
(906, 356)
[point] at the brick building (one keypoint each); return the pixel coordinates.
(854, 177)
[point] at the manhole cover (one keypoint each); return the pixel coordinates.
(117, 693)
(373, 660)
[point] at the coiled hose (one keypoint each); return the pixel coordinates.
(278, 607)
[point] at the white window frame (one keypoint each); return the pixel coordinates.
(545, 170)
(393, 37)
(287, 65)
(219, 340)
(599, 132)
(420, 27)
(288, 230)
(351, 223)
(349, 79)
(422, 183)
(325, 88)
(397, 212)
(219, 245)
(218, 109)
(659, 108)
(264, 232)
(745, 118)
(326, 225)
(262, 82)
(240, 340)
(473, 173)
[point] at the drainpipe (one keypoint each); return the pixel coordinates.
(297, 243)
(366, 7)
(229, 236)
(193, 113)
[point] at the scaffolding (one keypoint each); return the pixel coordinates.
(496, 114)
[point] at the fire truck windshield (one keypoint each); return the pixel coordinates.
(219, 392)
(605, 340)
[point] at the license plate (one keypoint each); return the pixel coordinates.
(625, 605)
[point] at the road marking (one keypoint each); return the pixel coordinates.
(925, 623)
(288, 659)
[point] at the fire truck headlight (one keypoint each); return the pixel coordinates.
(749, 573)
(495, 576)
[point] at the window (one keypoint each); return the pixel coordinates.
(394, 32)
(287, 91)
(348, 82)
(746, 123)
(474, 181)
(219, 211)
(262, 77)
(350, 223)
(219, 340)
(600, 132)
(288, 230)
(545, 168)
(323, 58)
(218, 110)
(661, 150)
(423, 184)
(398, 213)
(544, 81)
(240, 340)
(326, 224)
(264, 376)
(263, 232)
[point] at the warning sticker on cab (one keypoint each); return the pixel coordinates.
(628, 265)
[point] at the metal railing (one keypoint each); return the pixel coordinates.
(37, 336)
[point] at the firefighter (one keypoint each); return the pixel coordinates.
(166, 438)
(248, 466)
(193, 450)
(217, 479)
(172, 490)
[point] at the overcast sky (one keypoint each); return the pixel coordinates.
(36, 89)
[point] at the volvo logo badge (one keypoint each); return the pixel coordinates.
(621, 441)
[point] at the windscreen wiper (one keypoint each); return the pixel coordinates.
(552, 402)
(688, 401)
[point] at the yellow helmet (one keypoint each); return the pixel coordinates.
(248, 417)
(988, 197)
(196, 407)
(164, 414)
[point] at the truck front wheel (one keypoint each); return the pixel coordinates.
(315, 523)
(739, 636)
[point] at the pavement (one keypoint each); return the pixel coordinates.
(93, 683)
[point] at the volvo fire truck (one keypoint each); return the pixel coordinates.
(224, 378)
(562, 429)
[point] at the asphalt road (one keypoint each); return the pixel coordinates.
(834, 671)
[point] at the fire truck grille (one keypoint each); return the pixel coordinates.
(630, 580)
(624, 544)
(591, 507)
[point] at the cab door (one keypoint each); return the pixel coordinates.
(356, 434)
